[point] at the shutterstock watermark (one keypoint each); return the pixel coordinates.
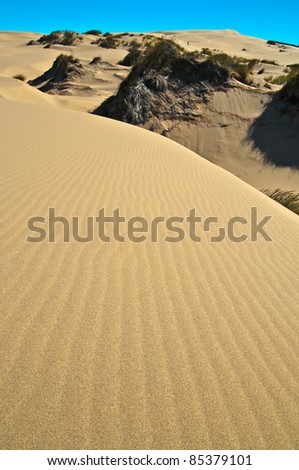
(118, 228)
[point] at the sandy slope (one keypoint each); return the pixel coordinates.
(123, 345)
(240, 130)
(16, 90)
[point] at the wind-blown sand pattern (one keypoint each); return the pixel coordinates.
(138, 346)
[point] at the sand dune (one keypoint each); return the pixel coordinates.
(221, 142)
(139, 345)
(237, 44)
(16, 90)
(32, 61)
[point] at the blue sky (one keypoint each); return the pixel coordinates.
(261, 18)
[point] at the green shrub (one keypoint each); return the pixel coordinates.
(167, 74)
(134, 44)
(20, 76)
(94, 32)
(281, 79)
(96, 60)
(288, 199)
(109, 42)
(290, 91)
(207, 51)
(270, 62)
(64, 38)
(64, 68)
(132, 58)
(161, 53)
(192, 54)
(69, 38)
(239, 67)
(167, 57)
(275, 43)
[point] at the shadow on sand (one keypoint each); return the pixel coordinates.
(276, 134)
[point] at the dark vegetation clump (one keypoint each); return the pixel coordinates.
(288, 199)
(166, 80)
(94, 32)
(96, 60)
(270, 62)
(20, 76)
(292, 71)
(63, 38)
(275, 43)
(239, 67)
(132, 57)
(108, 41)
(64, 68)
(290, 91)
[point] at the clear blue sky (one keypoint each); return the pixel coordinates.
(267, 19)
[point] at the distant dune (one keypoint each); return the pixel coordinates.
(238, 128)
(138, 345)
